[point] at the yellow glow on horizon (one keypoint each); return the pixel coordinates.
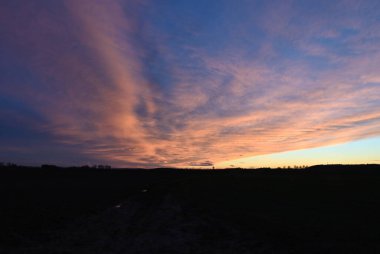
(359, 152)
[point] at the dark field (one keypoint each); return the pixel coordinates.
(322, 209)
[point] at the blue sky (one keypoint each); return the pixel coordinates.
(186, 83)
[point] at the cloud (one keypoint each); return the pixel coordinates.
(202, 164)
(118, 84)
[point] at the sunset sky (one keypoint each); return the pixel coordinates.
(189, 82)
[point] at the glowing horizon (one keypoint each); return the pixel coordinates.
(357, 152)
(188, 83)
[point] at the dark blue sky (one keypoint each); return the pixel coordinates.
(179, 83)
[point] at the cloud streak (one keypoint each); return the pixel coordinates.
(141, 84)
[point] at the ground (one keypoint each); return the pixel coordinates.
(330, 209)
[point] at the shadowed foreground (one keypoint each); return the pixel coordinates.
(323, 209)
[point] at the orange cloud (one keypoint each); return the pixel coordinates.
(95, 92)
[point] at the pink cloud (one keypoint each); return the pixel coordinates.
(241, 106)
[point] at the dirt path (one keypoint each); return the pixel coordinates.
(148, 223)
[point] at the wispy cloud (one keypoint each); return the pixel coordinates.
(123, 83)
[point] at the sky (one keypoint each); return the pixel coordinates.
(175, 83)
